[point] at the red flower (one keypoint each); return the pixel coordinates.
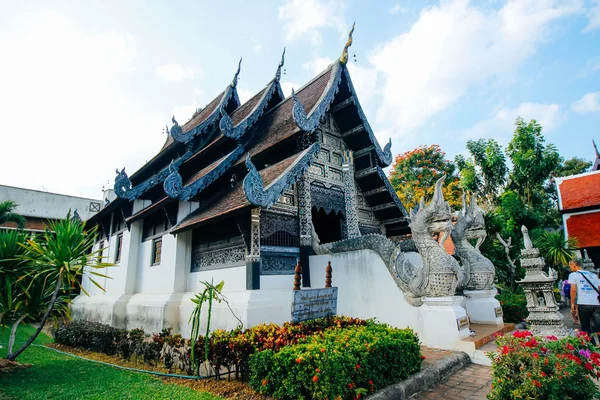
(318, 370)
(543, 374)
(522, 334)
(371, 382)
(350, 385)
(422, 357)
(551, 338)
(535, 355)
(589, 366)
(570, 346)
(298, 360)
(315, 378)
(505, 349)
(264, 382)
(531, 343)
(357, 366)
(537, 383)
(323, 350)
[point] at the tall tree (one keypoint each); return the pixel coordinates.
(415, 172)
(572, 166)
(7, 214)
(533, 162)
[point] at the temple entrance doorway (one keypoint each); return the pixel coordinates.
(327, 226)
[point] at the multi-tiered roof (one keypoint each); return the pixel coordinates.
(231, 156)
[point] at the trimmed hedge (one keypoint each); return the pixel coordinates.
(346, 363)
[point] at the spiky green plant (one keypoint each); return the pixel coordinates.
(61, 256)
(555, 249)
(7, 214)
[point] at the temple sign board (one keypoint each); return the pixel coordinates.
(314, 303)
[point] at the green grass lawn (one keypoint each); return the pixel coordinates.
(58, 376)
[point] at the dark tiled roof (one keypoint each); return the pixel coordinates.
(279, 124)
(198, 119)
(149, 209)
(245, 109)
(204, 171)
(231, 199)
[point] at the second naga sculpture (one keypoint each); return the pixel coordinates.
(478, 272)
(439, 273)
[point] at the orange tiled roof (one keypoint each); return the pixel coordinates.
(580, 191)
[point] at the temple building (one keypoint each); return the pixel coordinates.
(579, 205)
(234, 194)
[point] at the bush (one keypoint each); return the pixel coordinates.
(336, 363)
(514, 306)
(89, 335)
(528, 367)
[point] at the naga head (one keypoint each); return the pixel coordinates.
(436, 217)
(471, 223)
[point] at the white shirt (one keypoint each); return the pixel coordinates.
(585, 292)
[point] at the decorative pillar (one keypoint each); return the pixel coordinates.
(297, 276)
(305, 221)
(350, 194)
(253, 256)
(544, 317)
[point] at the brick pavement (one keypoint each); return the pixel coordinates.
(470, 383)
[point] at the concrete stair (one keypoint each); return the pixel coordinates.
(483, 341)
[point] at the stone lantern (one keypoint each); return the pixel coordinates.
(544, 317)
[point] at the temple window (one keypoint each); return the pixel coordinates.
(119, 246)
(156, 251)
(155, 224)
(118, 222)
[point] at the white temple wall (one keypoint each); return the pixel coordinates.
(365, 288)
(268, 282)
(157, 278)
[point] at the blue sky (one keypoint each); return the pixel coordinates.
(88, 86)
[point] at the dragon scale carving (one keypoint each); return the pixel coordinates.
(437, 277)
(477, 271)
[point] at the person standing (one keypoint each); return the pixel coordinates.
(585, 290)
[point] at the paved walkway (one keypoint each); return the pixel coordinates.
(470, 383)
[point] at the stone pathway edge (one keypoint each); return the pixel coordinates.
(427, 378)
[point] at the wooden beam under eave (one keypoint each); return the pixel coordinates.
(392, 221)
(365, 172)
(383, 206)
(343, 104)
(366, 150)
(373, 192)
(353, 131)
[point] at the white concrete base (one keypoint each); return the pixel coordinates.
(441, 317)
(481, 306)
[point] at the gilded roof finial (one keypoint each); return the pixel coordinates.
(344, 56)
(278, 74)
(237, 73)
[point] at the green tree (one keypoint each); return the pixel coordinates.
(572, 166)
(415, 172)
(8, 215)
(59, 258)
(490, 160)
(533, 162)
(556, 250)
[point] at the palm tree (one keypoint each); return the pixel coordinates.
(7, 214)
(60, 257)
(555, 249)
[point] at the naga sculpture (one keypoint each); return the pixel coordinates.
(438, 276)
(478, 271)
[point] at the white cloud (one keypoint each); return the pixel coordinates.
(66, 108)
(174, 72)
(305, 18)
(398, 9)
(594, 17)
(244, 95)
(501, 125)
(286, 87)
(588, 103)
(317, 65)
(451, 48)
(183, 113)
(591, 66)
(257, 48)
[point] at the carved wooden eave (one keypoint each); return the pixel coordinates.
(185, 134)
(173, 183)
(259, 195)
(310, 121)
(273, 88)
